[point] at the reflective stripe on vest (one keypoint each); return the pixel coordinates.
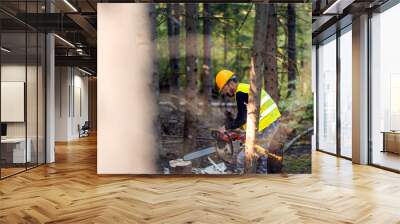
(269, 111)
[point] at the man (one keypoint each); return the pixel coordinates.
(228, 85)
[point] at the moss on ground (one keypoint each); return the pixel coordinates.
(297, 164)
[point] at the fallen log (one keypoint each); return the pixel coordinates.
(260, 150)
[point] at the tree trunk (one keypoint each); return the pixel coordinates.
(225, 33)
(271, 74)
(206, 77)
(180, 166)
(173, 25)
(189, 130)
(256, 74)
(156, 76)
(225, 45)
(291, 26)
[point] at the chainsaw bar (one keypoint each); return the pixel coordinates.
(198, 154)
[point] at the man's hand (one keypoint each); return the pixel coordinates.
(222, 129)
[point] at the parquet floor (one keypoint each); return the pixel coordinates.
(69, 191)
(10, 171)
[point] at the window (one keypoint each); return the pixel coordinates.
(327, 96)
(385, 88)
(346, 93)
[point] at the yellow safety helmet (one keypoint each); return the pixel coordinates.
(222, 78)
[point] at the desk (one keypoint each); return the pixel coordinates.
(391, 141)
(13, 150)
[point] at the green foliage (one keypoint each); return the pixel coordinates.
(300, 104)
(232, 32)
(233, 27)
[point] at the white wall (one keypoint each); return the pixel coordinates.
(81, 82)
(125, 143)
(62, 81)
(71, 87)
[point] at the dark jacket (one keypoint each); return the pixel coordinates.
(241, 116)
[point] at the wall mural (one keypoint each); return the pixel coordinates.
(233, 86)
(210, 55)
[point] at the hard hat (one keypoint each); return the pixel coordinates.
(222, 78)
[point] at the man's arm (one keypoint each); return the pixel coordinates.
(241, 100)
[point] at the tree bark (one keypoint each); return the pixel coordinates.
(271, 75)
(189, 131)
(256, 74)
(173, 25)
(291, 26)
(225, 45)
(206, 77)
(225, 33)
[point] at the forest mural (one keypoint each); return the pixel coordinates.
(233, 83)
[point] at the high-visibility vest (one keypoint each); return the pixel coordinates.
(269, 111)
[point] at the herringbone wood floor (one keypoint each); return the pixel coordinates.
(69, 191)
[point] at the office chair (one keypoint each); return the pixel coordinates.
(84, 130)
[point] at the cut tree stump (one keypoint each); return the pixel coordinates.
(180, 166)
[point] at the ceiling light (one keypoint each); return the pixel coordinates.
(70, 5)
(5, 50)
(84, 71)
(80, 51)
(65, 41)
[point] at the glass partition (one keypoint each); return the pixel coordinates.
(32, 96)
(32, 90)
(22, 91)
(14, 153)
(41, 111)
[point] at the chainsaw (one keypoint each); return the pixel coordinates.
(230, 143)
(227, 136)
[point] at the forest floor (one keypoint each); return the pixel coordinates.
(297, 159)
